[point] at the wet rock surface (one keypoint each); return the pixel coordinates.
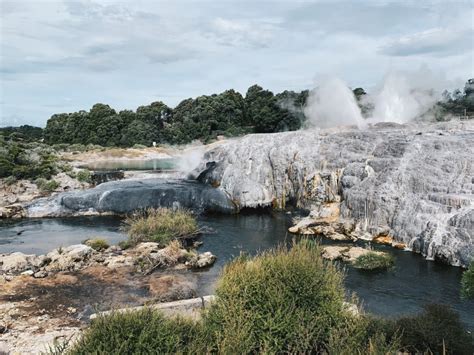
(413, 183)
(121, 197)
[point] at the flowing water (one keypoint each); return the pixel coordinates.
(403, 290)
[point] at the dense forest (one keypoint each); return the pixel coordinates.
(204, 118)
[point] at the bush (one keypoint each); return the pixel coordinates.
(373, 260)
(438, 327)
(84, 176)
(280, 301)
(467, 282)
(137, 332)
(97, 244)
(160, 225)
(139, 146)
(46, 186)
(10, 180)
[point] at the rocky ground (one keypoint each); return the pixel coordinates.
(13, 196)
(50, 297)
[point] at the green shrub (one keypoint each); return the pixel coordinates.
(284, 300)
(467, 282)
(125, 244)
(45, 185)
(437, 327)
(137, 332)
(373, 260)
(83, 175)
(160, 225)
(10, 180)
(97, 244)
(139, 146)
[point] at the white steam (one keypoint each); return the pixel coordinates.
(402, 97)
(333, 104)
(190, 159)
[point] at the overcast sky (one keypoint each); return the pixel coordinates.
(63, 56)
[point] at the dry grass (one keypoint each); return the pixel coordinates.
(160, 225)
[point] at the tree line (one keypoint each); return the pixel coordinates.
(203, 118)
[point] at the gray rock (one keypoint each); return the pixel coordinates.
(419, 187)
(126, 196)
(16, 262)
(202, 260)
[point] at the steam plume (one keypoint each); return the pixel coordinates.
(401, 98)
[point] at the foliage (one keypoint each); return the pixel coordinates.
(457, 103)
(203, 118)
(27, 160)
(24, 133)
(46, 185)
(434, 330)
(467, 282)
(137, 332)
(97, 244)
(374, 260)
(84, 175)
(281, 301)
(160, 225)
(10, 180)
(284, 300)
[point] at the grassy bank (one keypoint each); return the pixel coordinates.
(160, 225)
(287, 300)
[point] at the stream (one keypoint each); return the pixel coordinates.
(404, 289)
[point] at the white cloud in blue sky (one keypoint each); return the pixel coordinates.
(63, 56)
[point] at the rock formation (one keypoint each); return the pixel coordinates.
(413, 184)
(120, 197)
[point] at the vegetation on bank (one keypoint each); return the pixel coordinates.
(287, 300)
(27, 160)
(467, 282)
(374, 261)
(98, 244)
(161, 225)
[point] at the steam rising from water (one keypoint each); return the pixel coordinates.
(190, 159)
(401, 98)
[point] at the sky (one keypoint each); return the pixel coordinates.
(64, 56)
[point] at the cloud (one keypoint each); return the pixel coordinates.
(249, 32)
(436, 41)
(124, 53)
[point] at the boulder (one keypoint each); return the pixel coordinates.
(202, 260)
(16, 262)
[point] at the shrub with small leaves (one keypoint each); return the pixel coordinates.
(374, 260)
(97, 244)
(46, 186)
(83, 175)
(467, 282)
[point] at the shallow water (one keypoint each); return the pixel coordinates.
(133, 164)
(403, 290)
